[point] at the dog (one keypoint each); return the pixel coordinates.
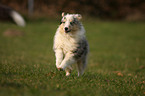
(70, 44)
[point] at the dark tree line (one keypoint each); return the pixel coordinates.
(108, 9)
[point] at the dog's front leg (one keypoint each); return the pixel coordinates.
(59, 57)
(68, 60)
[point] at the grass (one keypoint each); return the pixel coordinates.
(116, 65)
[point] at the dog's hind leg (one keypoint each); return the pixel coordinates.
(81, 65)
(80, 68)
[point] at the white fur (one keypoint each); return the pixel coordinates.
(65, 43)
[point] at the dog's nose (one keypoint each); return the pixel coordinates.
(66, 28)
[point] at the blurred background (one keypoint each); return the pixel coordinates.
(130, 10)
(115, 30)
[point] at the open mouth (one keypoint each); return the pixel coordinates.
(67, 31)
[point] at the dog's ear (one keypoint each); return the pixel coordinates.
(63, 14)
(78, 16)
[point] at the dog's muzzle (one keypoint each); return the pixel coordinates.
(66, 30)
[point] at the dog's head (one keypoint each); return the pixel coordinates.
(70, 22)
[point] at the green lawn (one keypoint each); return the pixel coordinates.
(116, 65)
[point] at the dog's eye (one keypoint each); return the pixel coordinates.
(71, 23)
(62, 22)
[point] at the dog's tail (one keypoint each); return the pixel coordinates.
(17, 18)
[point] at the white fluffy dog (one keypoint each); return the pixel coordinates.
(70, 44)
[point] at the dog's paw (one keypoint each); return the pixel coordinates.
(60, 69)
(67, 74)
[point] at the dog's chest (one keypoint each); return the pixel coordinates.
(66, 43)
